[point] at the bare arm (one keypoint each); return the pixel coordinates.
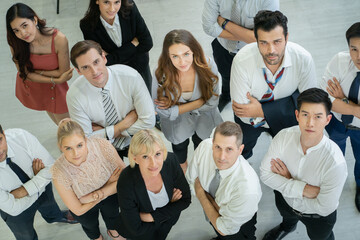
(183, 108)
(126, 123)
(235, 32)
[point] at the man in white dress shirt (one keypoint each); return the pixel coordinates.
(112, 102)
(225, 184)
(306, 170)
(25, 184)
(266, 78)
(342, 79)
(231, 23)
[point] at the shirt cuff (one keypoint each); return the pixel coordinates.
(174, 112)
(298, 189)
(110, 133)
(30, 188)
(125, 133)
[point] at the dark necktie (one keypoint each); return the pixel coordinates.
(18, 171)
(353, 97)
(214, 184)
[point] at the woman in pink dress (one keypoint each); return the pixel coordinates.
(41, 55)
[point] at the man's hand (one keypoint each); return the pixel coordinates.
(311, 191)
(95, 127)
(253, 109)
(334, 89)
(279, 167)
(146, 217)
(135, 42)
(177, 194)
(220, 20)
(199, 190)
(37, 165)
(19, 192)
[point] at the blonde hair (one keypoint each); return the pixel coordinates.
(145, 139)
(66, 128)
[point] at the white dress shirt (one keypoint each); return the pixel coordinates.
(247, 74)
(239, 191)
(23, 148)
(114, 30)
(127, 91)
(248, 10)
(343, 68)
(323, 165)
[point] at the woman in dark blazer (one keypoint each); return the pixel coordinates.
(136, 40)
(152, 191)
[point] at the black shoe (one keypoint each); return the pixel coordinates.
(223, 101)
(277, 233)
(67, 218)
(357, 198)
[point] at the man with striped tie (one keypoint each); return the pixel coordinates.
(226, 185)
(342, 80)
(266, 78)
(112, 102)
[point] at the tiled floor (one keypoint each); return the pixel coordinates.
(319, 26)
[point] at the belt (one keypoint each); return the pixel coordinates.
(300, 214)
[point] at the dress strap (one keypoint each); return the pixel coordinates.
(52, 41)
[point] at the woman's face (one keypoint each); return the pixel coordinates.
(181, 57)
(150, 164)
(109, 9)
(24, 28)
(74, 148)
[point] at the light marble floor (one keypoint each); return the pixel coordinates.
(319, 26)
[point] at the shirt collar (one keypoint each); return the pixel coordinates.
(226, 172)
(116, 22)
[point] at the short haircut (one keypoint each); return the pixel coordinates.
(353, 31)
(315, 95)
(1, 130)
(229, 129)
(267, 20)
(145, 139)
(81, 48)
(68, 127)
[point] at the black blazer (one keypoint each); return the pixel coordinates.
(133, 199)
(133, 26)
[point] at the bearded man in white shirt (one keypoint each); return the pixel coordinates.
(266, 78)
(306, 170)
(342, 80)
(112, 102)
(25, 184)
(225, 184)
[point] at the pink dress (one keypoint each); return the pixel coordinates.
(43, 96)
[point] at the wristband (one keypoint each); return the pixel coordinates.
(345, 100)
(224, 23)
(52, 80)
(41, 72)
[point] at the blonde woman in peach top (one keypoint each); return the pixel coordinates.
(85, 176)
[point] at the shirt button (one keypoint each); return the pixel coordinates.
(52, 88)
(52, 98)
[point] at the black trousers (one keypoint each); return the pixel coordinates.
(223, 60)
(318, 228)
(109, 209)
(247, 231)
(181, 150)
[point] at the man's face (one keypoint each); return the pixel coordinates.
(93, 66)
(354, 48)
(272, 45)
(225, 151)
(3, 147)
(312, 120)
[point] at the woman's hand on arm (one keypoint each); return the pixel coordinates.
(190, 106)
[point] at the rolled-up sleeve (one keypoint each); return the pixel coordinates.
(209, 18)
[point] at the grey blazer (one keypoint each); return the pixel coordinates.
(177, 128)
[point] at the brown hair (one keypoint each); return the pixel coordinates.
(81, 48)
(66, 128)
(167, 75)
(229, 129)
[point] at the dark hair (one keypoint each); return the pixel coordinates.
(353, 31)
(21, 48)
(81, 48)
(229, 129)
(267, 20)
(167, 74)
(315, 95)
(92, 15)
(1, 130)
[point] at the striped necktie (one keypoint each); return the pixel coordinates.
(268, 96)
(111, 115)
(353, 96)
(17, 170)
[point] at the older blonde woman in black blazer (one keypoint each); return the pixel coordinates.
(119, 28)
(152, 191)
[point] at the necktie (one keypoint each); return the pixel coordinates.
(268, 96)
(235, 18)
(111, 115)
(214, 184)
(18, 171)
(353, 96)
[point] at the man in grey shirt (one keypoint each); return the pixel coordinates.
(231, 24)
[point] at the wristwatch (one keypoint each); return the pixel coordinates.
(345, 100)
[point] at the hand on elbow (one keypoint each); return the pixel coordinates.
(311, 191)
